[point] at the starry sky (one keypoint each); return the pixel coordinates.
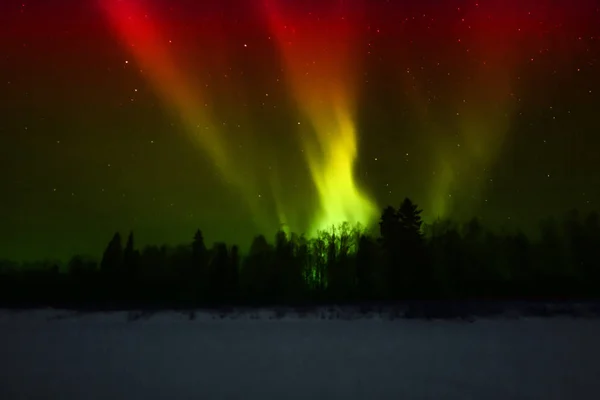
(243, 116)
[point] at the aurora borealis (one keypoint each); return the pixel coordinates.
(240, 117)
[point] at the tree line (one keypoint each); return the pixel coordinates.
(406, 260)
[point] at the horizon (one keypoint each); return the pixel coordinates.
(531, 232)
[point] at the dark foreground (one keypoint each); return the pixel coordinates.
(323, 353)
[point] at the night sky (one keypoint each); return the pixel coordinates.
(164, 116)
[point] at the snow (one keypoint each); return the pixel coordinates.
(47, 354)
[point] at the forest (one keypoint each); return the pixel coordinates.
(406, 260)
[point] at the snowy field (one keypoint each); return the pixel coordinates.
(258, 355)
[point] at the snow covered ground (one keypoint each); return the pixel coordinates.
(65, 355)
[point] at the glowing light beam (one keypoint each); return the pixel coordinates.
(317, 48)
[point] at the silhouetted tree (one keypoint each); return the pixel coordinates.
(80, 268)
(234, 273)
(153, 259)
(316, 275)
(289, 263)
(390, 231)
(591, 253)
(448, 260)
(296, 285)
(112, 259)
(552, 261)
(366, 262)
(130, 259)
(256, 268)
(389, 228)
(414, 256)
(179, 265)
(199, 252)
(220, 273)
(402, 239)
(409, 218)
(408, 259)
(517, 268)
(473, 243)
(341, 266)
(198, 274)
(282, 259)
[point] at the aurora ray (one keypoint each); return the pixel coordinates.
(318, 49)
(135, 25)
(478, 106)
(144, 40)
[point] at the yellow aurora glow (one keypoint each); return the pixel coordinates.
(319, 73)
(320, 63)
